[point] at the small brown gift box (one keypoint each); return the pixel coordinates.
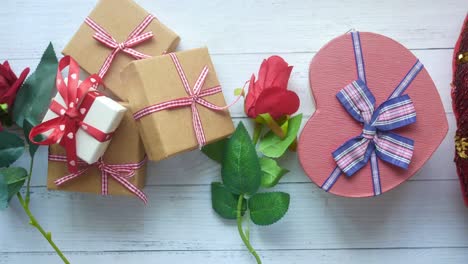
(119, 18)
(126, 147)
(168, 132)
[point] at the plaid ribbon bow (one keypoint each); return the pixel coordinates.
(119, 172)
(376, 139)
(394, 113)
(136, 37)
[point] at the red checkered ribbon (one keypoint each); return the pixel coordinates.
(136, 37)
(195, 96)
(119, 172)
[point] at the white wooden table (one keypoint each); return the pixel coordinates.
(422, 221)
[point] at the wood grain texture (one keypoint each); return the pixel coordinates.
(181, 218)
(349, 256)
(422, 221)
(245, 26)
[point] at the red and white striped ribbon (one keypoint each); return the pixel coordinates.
(119, 172)
(136, 37)
(195, 96)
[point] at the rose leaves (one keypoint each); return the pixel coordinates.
(34, 96)
(243, 175)
(31, 102)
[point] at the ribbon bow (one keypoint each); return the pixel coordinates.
(195, 96)
(71, 114)
(136, 37)
(119, 172)
(394, 113)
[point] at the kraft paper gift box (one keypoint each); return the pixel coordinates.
(118, 18)
(157, 81)
(125, 148)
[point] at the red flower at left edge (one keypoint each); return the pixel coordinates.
(269, 93)
(9, 86)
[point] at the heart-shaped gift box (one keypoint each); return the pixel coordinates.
(386, 66)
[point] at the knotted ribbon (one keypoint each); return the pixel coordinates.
(119, 172)
(77, 99)
(135, 38)
(376, 139)
(195, 96)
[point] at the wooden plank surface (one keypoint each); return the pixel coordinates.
(385, 256)
(423, 221)
(180, 217)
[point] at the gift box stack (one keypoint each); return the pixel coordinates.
(156, 103)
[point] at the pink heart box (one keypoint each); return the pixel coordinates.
(386, 63)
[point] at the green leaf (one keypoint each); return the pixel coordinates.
(14, 178)
(240, 169)
(34, 96)
(268, 208)
(3, 193)
(27, 126)
(224, 202)
(11, 148)
(215, 150)
(272, 172)
(273, 146)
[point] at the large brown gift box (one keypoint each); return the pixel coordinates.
(125, 147)
(119, 18)
(156, 80)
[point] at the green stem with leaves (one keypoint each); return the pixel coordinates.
(257, 132)
(28, 184)
(33, 221)
(245, 239)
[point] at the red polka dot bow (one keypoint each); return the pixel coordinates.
(77, 99)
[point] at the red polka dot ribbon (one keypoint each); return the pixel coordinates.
(77, 101)
(135, 38)
(195, 96)
(119, 172)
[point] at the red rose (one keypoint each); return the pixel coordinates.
(9, 86)
(270, 94)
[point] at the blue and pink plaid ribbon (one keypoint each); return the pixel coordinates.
(376, 139)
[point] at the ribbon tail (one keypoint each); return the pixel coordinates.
(105, 183)
(198, 127)
(69, 177)
(69, 143)
(107, 63)
(375, 174)
(331, 180)
(132, 188)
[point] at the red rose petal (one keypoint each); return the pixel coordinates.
(282, 78)
(276, 67)
(10, 95)
(277, 102)
(262, 75)
(250, 98)
(7, 73)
